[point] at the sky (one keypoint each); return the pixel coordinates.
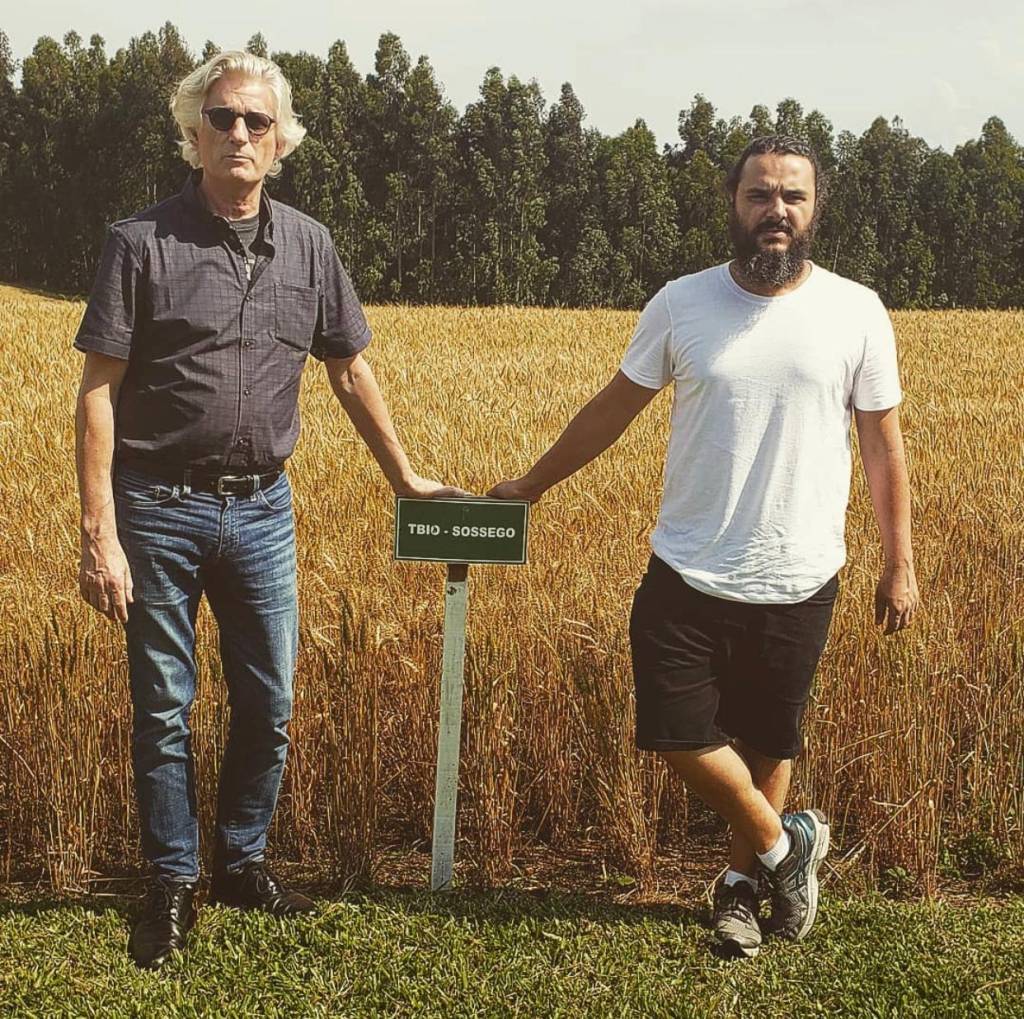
(943, 67)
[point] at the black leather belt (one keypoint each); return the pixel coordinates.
(204, 480)
(228, 484)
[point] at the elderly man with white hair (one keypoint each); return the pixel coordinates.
(203, 312)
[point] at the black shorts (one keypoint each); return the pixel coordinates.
(708, 670)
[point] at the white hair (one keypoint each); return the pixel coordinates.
(187, 101)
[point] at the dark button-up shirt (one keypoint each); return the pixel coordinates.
(214, 357)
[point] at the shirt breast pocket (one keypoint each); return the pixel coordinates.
(295, 311)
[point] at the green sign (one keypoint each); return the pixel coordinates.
(461, 530)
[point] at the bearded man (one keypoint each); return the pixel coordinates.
(769, 355)
(197, 330)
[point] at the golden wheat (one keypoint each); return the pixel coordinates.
(915, 743)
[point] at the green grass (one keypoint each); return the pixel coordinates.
(411, 954)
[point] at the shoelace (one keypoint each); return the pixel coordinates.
(736, 906)
(164, 896)
(267, 882)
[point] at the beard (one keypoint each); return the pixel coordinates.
(770, 267)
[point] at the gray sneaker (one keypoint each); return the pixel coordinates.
(794, 883)
(734, 920)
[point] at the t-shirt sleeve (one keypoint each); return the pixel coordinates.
(341, 326)
(108, 324)
(648, 358)
(876, 383)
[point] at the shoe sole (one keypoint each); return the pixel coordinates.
(819, 850)
(730, 949)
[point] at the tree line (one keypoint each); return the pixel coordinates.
(511, 201)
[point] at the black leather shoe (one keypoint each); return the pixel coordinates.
(255, 887)
(167, 916)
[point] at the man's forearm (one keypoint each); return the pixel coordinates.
(357, 391)
(885, 469)
(595, 427)
(94, 454)
(585, 437)
(104, 577)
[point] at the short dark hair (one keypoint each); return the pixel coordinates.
(778, 145)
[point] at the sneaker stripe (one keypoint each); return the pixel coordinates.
(819, 849)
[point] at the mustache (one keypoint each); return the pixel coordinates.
(765, 228)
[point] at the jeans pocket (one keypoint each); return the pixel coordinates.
(278, 496)
(142, 491)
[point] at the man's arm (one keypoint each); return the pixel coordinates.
(885, 468)
(594, 428)
(104, 577)
(356, 389)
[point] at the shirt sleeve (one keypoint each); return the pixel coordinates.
(876, 383)
(341, 326)
(648, 358)
(108, 324)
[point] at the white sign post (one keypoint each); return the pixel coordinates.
(456, 532)
(449, 731)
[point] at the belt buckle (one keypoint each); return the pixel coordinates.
(231, 478)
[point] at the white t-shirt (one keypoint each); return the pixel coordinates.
(758, 472)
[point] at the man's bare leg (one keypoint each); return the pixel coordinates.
(772, 776)
(722, 779)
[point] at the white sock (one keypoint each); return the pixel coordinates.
(774, 856)
(733, 877)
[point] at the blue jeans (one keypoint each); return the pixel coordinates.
(241, 552)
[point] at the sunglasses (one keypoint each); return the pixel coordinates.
(222, 118)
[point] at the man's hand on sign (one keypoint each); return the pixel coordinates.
(105, 579)
(896, 598)
(516, 489)
(424, 488)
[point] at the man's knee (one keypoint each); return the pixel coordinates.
(764, 768)
(265, 716)
(704, 764)
(162, 729)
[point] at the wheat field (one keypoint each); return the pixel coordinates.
(915, 743)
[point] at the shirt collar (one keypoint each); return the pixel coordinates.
(194, 201)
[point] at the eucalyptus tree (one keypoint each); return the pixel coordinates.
(11, 225)
(572, 233)
(429, 233)
(337, 126)
(144, 74)
(697, 169)
(640, 215)
(992, 204)
(408, 166)
(500, 200)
